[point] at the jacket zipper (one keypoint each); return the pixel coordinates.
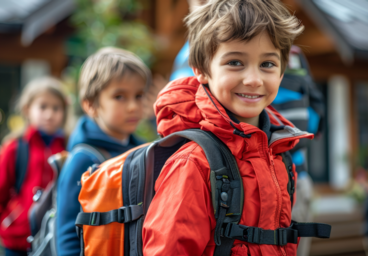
(279, 198)
(272, 164)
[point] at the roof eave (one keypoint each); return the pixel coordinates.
(45, 17)
(345, 50)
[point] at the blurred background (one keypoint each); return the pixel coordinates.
(41, 37)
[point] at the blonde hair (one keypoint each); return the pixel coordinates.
(107, 64)
(221, 21)
(38, 86)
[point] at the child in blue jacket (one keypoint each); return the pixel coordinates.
(112, 84)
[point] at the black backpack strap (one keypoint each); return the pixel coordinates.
(225, 247)
(121, 215)
(101, 154)
(288, 162)
(280, 236)
(21, 163)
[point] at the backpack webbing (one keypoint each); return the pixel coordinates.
(21, 163)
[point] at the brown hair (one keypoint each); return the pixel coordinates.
(221, 21)
(107, 64)
(38, 86)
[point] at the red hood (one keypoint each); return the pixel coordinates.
(185, 104)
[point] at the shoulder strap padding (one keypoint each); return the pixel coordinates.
(21, 163)
(288, 162)
(101, 154)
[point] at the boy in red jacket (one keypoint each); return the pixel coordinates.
(238, 51)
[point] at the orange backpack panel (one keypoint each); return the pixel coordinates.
(102, 192)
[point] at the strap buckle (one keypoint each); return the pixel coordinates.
(241, 232)
(253, 235)
(129, 213)
(124, 215)
(94, 219)
(282, 236)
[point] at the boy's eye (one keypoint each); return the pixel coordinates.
(234, 63)
(43, 106)
(139, 96)
(119, 97)
(267, 64)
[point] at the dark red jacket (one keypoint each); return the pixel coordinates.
(180, 220)
(14, 225)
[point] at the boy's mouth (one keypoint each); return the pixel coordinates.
(249, 96)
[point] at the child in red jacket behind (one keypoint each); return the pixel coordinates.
(44, 106)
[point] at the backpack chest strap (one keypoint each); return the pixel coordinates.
(280, 236)
(121, 215)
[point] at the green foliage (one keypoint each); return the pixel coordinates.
(147, 130)
(101, 23)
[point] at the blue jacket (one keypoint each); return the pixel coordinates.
(68, 207)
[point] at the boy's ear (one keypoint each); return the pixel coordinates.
(89, 108)
(201, 77)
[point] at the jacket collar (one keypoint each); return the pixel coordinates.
(264, 122)
(30, 133)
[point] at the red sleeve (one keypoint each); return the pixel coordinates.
(180, 218)
(7, 172)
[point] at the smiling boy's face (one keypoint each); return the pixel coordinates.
(245, 76)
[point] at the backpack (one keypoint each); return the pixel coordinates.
(116, 198)
(298, 99)
(43, 211)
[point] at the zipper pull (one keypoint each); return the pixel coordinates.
(271, 156)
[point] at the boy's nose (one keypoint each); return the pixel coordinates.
(253, 79)
(49, 113)
(132, 105)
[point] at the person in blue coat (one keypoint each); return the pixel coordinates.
(112, 84)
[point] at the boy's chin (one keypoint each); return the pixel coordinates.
(128, 130)
(248, 114)
(48, 130)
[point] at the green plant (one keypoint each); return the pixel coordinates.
(101, 23)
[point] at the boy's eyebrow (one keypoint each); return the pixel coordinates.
(119, 90)
(270, 54)
(233, 53)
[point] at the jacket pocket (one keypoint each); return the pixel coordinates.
(240, 250)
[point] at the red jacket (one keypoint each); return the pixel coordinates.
(13, 206)
(180, 220)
